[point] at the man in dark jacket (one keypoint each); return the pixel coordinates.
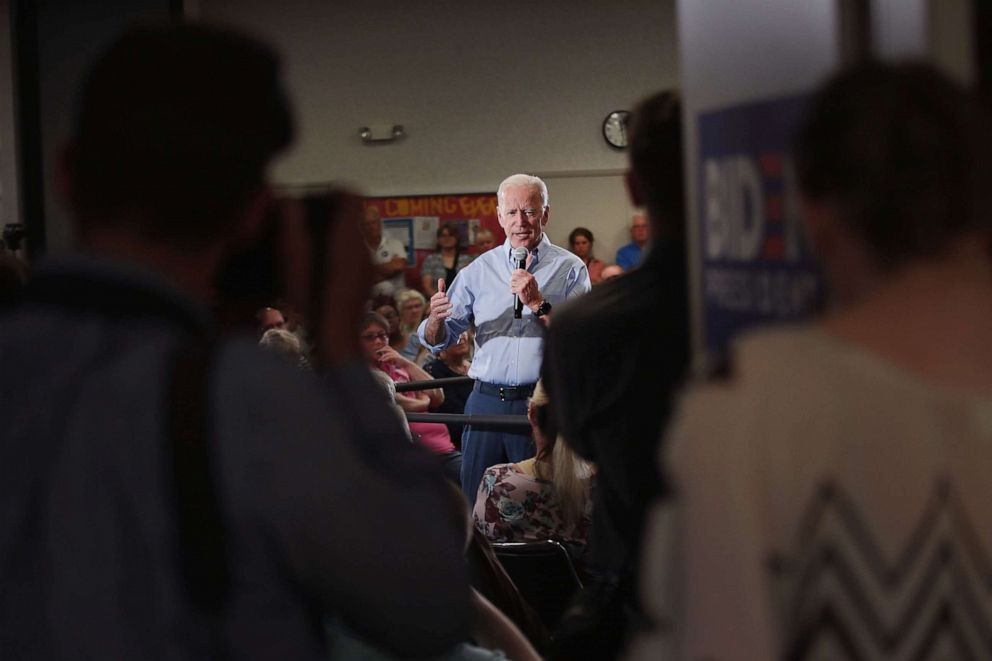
(615, 357)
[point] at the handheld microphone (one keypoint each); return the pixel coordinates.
(520, 258)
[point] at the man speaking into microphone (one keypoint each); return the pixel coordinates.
(509, 293)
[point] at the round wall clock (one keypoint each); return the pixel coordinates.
(615, 129)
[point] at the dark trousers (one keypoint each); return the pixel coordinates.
(483, 446)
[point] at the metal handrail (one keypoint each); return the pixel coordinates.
(433, 383)
(499, 421)
(502, 421)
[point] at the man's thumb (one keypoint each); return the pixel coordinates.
(440, 285)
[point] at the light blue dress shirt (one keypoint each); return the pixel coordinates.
(508, 351)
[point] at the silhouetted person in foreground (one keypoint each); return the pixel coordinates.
(831, 497)
(614, 360)
(167, 493)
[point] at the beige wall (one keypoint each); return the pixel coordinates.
(483, 89)
(597, 202)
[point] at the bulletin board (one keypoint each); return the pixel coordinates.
(413, 220)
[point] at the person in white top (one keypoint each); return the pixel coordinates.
(832, 494)
(388, 255)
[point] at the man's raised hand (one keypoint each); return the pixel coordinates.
(440, 305)
(440, 310)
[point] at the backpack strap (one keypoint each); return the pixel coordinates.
(203, 538)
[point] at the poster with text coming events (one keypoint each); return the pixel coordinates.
(414, 219)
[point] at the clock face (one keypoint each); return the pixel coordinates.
(615, 129)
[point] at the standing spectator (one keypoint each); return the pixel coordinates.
(831, 495)
(388, 255)
(453, 362)
(169, 493)
(445, 262)
(631, 255)
(614, 362)
(580, 242)
(508, 351)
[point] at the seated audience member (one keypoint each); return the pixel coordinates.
(411, 305)
(445, 262)
(169, 492)
(485, 241)
(494, 636)
(389, 389)
(610, 271)
(392, 317)
(452, 362)
(831, 496)
(296, 324)
(431, 435)
(580, 242)
(282, 342)
(269, 318)
(630, 255)
(544, 497)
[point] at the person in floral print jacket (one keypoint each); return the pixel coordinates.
(544, 497)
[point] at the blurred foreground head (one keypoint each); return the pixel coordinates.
(896, 157)
(175, 129)
(655, 179)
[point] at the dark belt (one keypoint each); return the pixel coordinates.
(505, 393)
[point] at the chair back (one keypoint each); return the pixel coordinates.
(544, 574)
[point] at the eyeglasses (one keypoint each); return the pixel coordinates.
(529, 214)
(372, 337)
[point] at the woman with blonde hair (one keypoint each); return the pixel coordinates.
(544, 497)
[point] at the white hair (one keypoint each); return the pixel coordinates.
(528, 180)
(281, 341)
(405, 295)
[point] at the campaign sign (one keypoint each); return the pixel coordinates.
(756, 264)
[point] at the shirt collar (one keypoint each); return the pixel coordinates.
(542, 248)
